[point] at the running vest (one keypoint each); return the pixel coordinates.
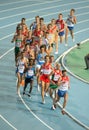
(46, 69)
(21, 66)
(60, 24)
(69, 23)
(40, 58)
(65, 83)
(56, 75)
(18, 42)
(30, 72)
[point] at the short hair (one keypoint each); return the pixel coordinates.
(47, 56)
(64, 71)
(73, 10)
(23, 19)
(43, 46)
(41, 18)
(60, 14)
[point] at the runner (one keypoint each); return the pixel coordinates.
(18, 39)
(64, 85)
(21, 65)
(56, 77)
(40, 61)
(61, 27)
(29, 76)
(46, 70)
(35, 23)
(55, 31)
(71, 21)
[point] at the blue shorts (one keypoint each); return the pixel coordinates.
(61, 33)
(21, 74)
(61, 93)
(70, 28)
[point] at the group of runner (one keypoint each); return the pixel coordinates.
(34, 56)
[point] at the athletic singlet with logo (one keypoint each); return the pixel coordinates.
(69, 23)
(21, 66)
(50, 35)
(54, 28)
(60, 24)
(34, 25)
(46, 69)
(65, 84)
(18, 42)
(40, 58)
(57, 75)
(30, 72)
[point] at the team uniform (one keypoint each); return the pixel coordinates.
(29, 77)
(46, 70)
(57, 74)
(69, 22)
(18, 44)
(60, 24)
(64, 87)
(20, 67)
(40, 59)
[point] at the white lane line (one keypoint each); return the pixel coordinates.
(63, 56)
(25, 6)
(6, 36)
(73, 118)
(28, 108)
(8, 122)
(22, 1)
(28, 12)
(59, 105)
(25, 103)
(2, 27)
(6, 53)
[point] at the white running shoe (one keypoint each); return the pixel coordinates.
(43, 102)
(53, 107)
(56, 52)
(46, 94)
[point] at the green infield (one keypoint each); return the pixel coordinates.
(76, 63)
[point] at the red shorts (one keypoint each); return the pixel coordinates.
(45, 78)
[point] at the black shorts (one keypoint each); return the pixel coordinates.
(28, 80)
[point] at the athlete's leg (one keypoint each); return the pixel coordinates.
(65, 101)
(18, 83)
(42, 90)
(31, 86)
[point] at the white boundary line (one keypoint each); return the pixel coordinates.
(42, 9)
(8, 122)
(6, 53)
(28, 6)
(23, 103)
(28, 108)
(65, 53)
(4, 4)
(37, 4)
(73, 118)
(62, 56)
(45, 16)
